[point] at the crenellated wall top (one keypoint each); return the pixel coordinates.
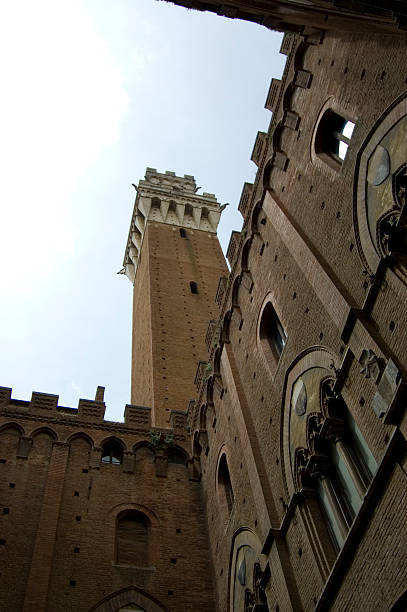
(170, 199)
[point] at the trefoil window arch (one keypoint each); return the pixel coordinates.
(335, 459)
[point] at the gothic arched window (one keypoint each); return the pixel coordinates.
(132, 538)
(328, 451)
(112, 452)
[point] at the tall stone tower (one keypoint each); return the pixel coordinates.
(116, 519)
(174, 259)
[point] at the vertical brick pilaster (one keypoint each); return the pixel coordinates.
(37, 585)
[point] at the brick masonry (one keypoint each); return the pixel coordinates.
(254, 536)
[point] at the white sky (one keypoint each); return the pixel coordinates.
(92, 92)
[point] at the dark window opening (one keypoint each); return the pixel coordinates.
(333, 136)
(112, 453)
(194, 287)
(182, 233)
(225, 490)
(272, 334)
(176, 456)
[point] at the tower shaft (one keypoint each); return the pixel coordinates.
(175, 260)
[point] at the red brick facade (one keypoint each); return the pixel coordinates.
(278, 480)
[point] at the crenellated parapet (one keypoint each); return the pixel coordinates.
(170, 199)
(45, 406)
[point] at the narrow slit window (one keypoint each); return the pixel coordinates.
(182, 233)
(194, 287)
(225, 491)
(272, 334)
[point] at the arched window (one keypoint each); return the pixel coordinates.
(155, 203)
(333, 136)
(225, 491)
(272, 334)
(176, 455)
(112, 452)
(334, 459)
(182, 233)
(132, 538)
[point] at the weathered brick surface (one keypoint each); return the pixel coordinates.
(60, 503)
(300, 249)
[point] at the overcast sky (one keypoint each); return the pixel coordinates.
(92, 93)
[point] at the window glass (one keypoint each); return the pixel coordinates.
(348, 129)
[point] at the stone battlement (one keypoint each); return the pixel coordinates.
(170, 199)
(46, 405)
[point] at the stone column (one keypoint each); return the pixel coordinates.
(334, 510)
(348, 460)
(41, 564)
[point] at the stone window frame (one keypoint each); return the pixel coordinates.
(315, 463)
(367, 248)
(245, 536)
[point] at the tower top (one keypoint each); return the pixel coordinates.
(170, 199)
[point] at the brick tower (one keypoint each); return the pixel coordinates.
(116, 518)
(174, 259)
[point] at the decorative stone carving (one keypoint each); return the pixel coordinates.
(399, 186)
(256, 600)
(388, 389)
(370, 366)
